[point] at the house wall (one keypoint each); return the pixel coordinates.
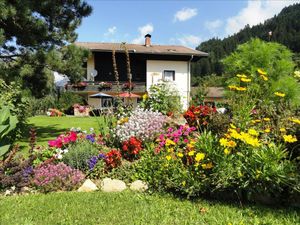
(94, 102)
(155, 70)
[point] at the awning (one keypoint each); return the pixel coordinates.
(101, 95)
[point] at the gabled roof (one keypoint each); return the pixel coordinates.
(142, 49)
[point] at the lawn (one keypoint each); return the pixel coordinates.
(132, 208)
(48, 128)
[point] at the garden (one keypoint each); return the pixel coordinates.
(199, 162)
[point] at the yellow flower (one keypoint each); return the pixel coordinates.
(261, 72)
(241, 89)
(295, 120)
(231, 144)
(145, 96)
(247, 138)
(170, 142)
(232, 87)
(168, 157)
(223, 142)
(245, 80)
(282, 129)
(253, 132)
(280, 94)
(241, 75)
(199, 157)
(123, 120)
(207, 165)
(227, 151)
(232, 126)
(179, 154)
(196, 164)
(267, 130)
(255, 121)
(170, 150)
(191, 144)
(266, 119)
(265, 78)
(297, 74)
(289, 138)
(183, 183)
(191, 153)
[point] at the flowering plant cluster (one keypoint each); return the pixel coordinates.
(80, 108)
(54, 112)
(51, 177)
(142, 124)
(131, 148)
(199, 116)
(113, 159)
(105, 85)
(128, 85)
(81, 84)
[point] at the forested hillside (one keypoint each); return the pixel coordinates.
(285, 28)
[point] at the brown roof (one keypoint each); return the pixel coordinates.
(152, 49)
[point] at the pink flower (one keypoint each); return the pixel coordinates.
(185, 140)
(73, 136)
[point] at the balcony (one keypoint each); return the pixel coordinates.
(107, 86)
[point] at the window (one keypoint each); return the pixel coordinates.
(169, 75)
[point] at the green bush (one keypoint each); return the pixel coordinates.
(79, 154)
(163, 97)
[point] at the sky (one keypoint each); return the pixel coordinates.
(177, 22)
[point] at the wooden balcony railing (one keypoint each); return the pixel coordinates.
(105, 86)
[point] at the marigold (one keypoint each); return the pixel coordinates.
(232, 126)
(253, 132)
(199, 157)
(295, 120)
(179, 154)
(227, 151)
(231, 144)
(261, 72)
(191, 153)
(223, 142)
(289, 138)
(207, 165)
(266, 119)
(168, 157)
(267, 130)
(280, 94)
(282, 129)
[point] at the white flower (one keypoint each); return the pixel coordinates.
(59, 156)
(66, 150)
(84, 131)
(48, 113)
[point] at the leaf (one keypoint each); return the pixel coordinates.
(4, 149)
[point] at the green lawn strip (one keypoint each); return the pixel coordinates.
(49, 128)
(132, 208)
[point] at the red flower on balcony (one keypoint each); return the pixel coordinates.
(128, 85)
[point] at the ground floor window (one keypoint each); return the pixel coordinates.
(169, 75)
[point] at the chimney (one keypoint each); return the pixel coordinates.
(147, 40)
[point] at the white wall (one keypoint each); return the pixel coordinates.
(155, 70)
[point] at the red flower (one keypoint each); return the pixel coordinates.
(131, 148)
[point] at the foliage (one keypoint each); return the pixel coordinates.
(284, 27)
(78, 155)
(143, 124)
(67, 100)
(163, 97)
(7, 124)
(51, 177)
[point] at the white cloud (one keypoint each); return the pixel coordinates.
(111, 31)
(147, 29)
(213, 25)
(189, 40)
(254, 13)
(185, 14)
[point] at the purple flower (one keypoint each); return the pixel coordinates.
(92, 162)
(90, 137)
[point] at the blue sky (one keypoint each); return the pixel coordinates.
(173, 22)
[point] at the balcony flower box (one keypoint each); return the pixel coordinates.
(105, 86)
(127, 86)
(80, 85)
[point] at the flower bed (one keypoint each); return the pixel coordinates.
(80, 110)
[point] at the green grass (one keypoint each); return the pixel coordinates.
(132, 208)
(50, 127)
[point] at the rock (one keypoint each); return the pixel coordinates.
(88, 186)
(7, 193)
(26, 189)
(138, 185)
(112, 185)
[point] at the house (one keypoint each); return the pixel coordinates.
(148, 63)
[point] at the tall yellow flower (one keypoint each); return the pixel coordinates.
(280, 94)
(246, 80)
(261, 72)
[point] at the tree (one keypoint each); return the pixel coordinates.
(33, 39)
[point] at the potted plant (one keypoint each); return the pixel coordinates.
(105, 86)
(128, 85)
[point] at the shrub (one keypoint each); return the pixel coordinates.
(142, 124)
(50, 177)
(79, 153)
(163, 97)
